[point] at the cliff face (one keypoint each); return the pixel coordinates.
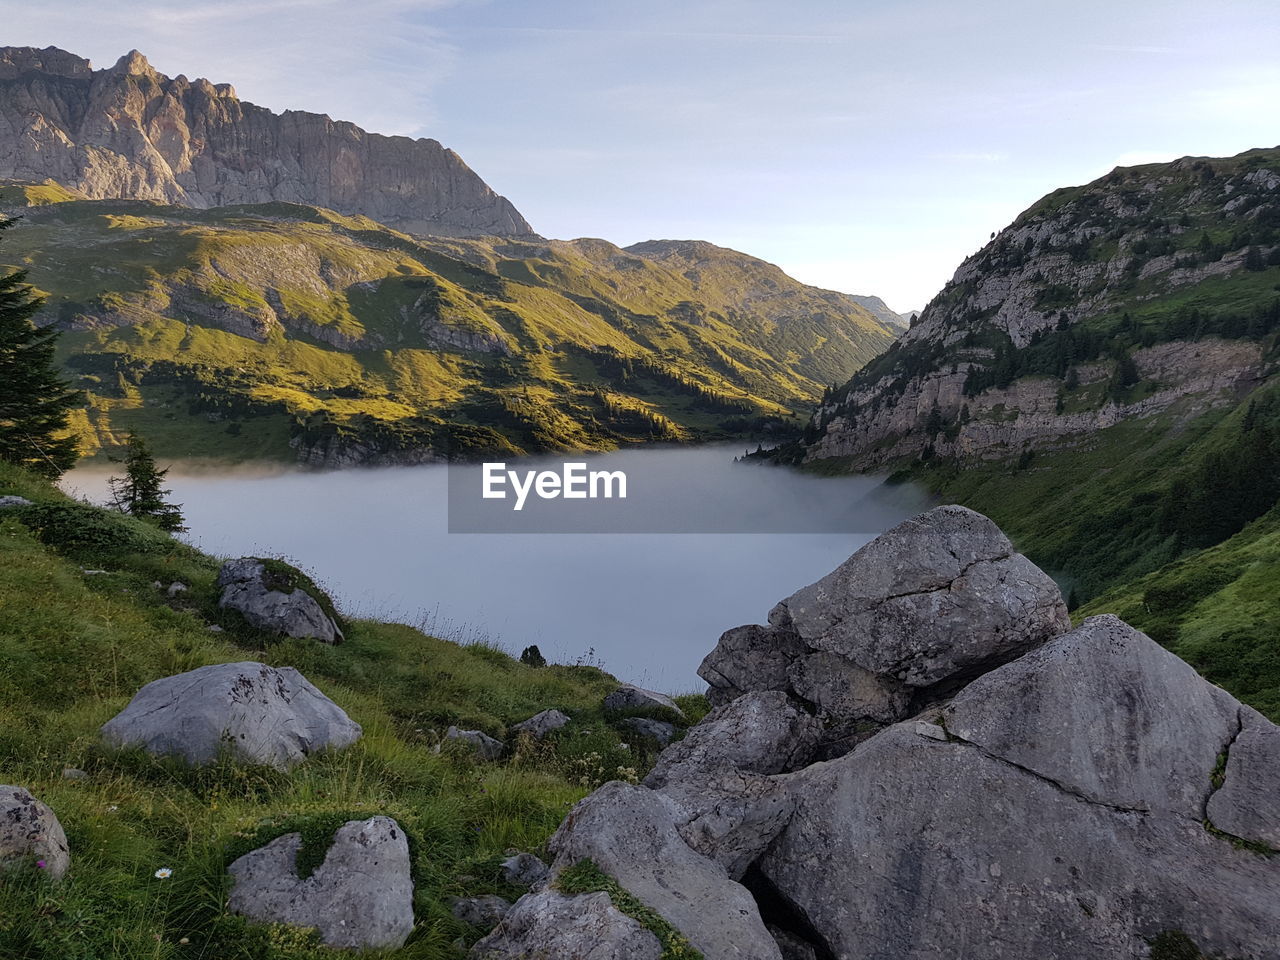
(130, 132)
(1149, 292)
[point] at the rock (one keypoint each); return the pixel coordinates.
(483, 912)
(248, 587)
(1061, 818)
(630, 697)
(10, 502)
(30, 834)
(484, 746)
(72, 773)
(658, 730)
(631, 834)
(541, 724)
(721, 776)
(176, 588)
(908, 619)
(547, 925)
(129, 131)
(524, 870)
(214, 628)
(361, 896)
(1247, 804)
(262, 714)
(791, 946)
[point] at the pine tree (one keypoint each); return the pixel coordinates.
(34, 399)
(139, 492)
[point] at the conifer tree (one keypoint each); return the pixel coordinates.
(34, 399)
(139, 492)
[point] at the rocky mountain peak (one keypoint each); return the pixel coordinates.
(131, 132)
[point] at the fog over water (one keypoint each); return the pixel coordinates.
(650, 605)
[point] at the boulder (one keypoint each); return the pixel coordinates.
(547, 925)
(908, 619)
(262, 714)
(541, 724)
(361, 896)
(10, 502)
(524, 870)
(631, 834)
(1060, 816)
(630, 697)
(30, 834)
(74, 773)
(651, 729)
(483, 912)
(273, 606)
(481, 744)
(1247, 802)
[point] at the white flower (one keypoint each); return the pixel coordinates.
(112, 809)
(164, 873)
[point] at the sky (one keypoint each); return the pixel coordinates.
(866, 146)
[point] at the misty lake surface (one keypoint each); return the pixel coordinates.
(645, 606)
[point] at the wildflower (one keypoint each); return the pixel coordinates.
(41, 864)
(112, 809)
(164, 873)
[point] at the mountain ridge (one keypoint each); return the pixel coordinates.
(128, 131)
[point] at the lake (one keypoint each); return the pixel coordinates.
(645, 606)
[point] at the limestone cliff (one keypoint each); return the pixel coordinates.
(131, 132)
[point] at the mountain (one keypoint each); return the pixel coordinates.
(1102, 379)
(880, 310)
(283, 330)
(130, 132)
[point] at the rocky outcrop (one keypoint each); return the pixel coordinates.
(630, 697)
(649, 729)
(261, 714)
(30, 834)
(271, 603)
(129, 131)
(1016, 788)
(549, 924)
(541, 724)
(361, 896)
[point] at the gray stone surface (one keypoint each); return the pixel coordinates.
(630, 697)
(30, 833)
(295, 613)
(361, 896)
(552, 926)
(658, 730)
(792, 947)
(262, 714)
(541, 724)
(483, 912)
(481, 744)
(524, 870)
(1247, 805)
(631, 834)
(10, 502)
(1033, 839)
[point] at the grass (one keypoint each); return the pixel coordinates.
(74, 648)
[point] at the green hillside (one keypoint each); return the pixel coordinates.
(284, 331)
(75, 645)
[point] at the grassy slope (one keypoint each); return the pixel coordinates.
(74, 647)
(378, 334)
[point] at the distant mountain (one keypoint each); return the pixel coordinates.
(282, 330)
(130, 132)
(880, 310)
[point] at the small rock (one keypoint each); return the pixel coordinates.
(541, 724)
(630, 697)
(485, 746)
(263, 714)
(30, 833)
(248, 589)
(524, 870)
(93, 573)
(658, 730)
(12, 502)
(361, 896)
(484, 912)
(214, 628)
(549, 924)
(176, 588)
(73, 773)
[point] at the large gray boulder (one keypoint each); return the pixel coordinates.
(30, 834)
(361, 896)
(908, 619)
(630, 697)
(541, 724)
(648, 728)
(552, 926)
(1060, 815)
(631, 833)
(262, 714)
(271, 605)
(476, 741)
